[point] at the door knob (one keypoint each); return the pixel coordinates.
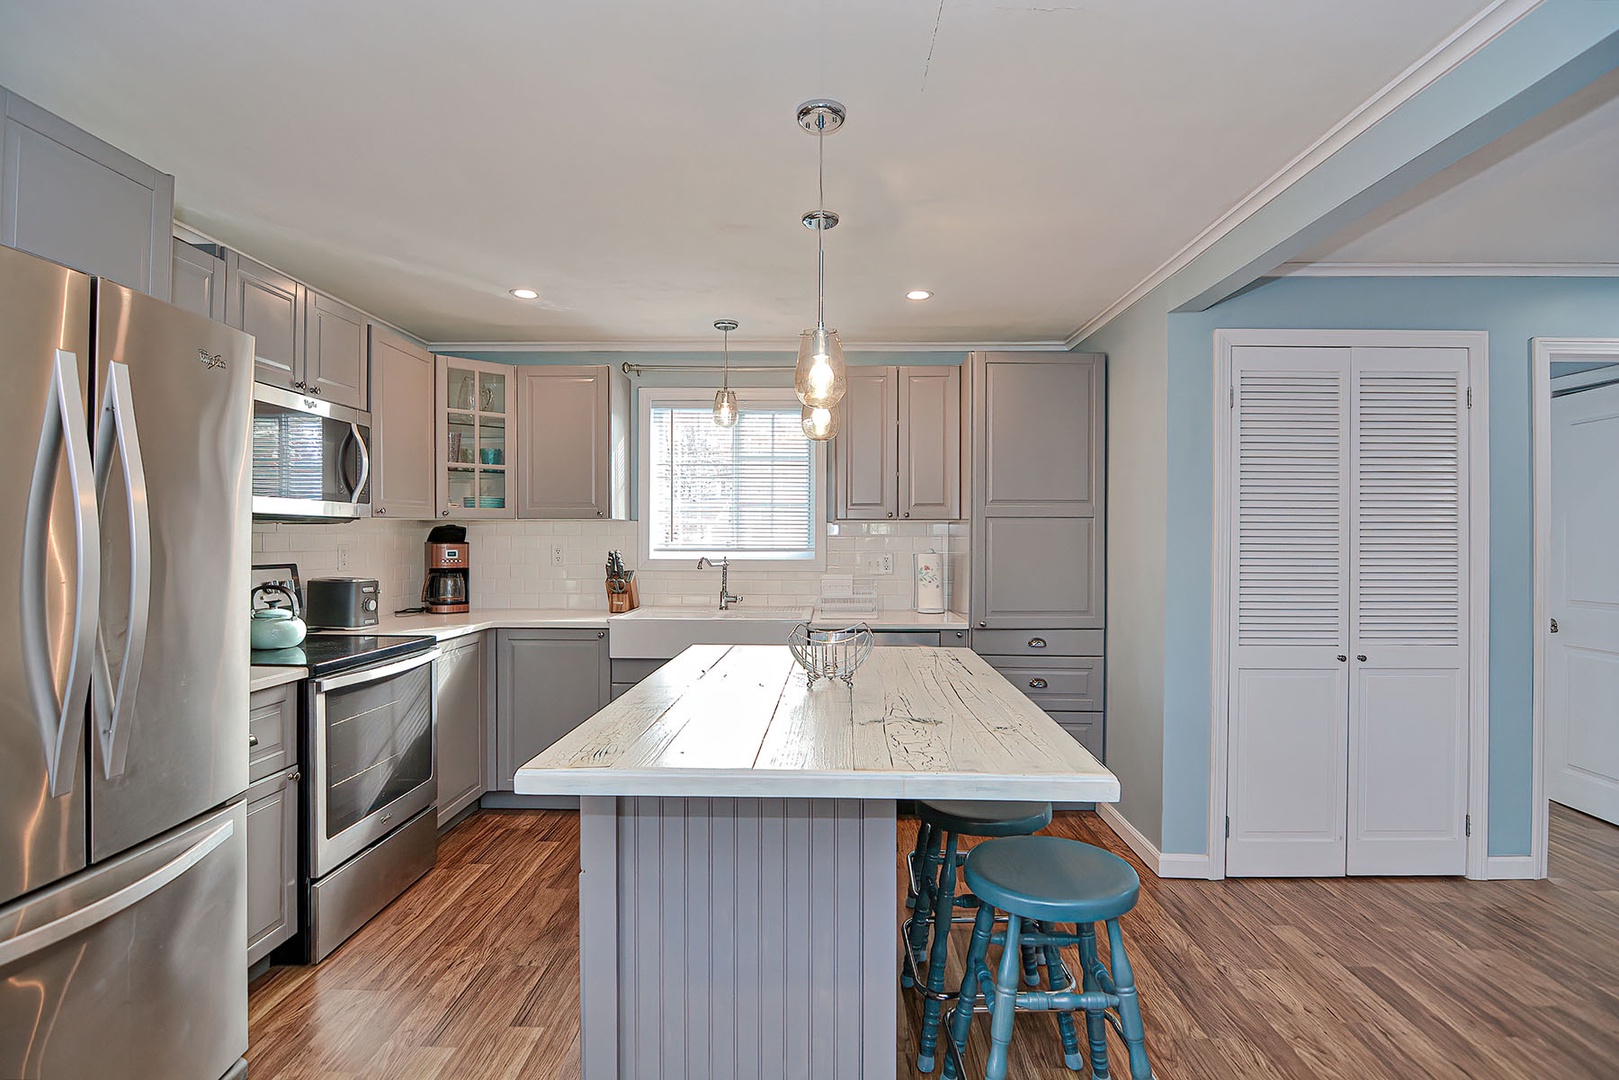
(1554, 626)
(252, 739)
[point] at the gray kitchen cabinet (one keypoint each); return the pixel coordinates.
(67, 196)
(575, 447)
(461, 744)
(1037, 434)
(269, 305)
(272, 863)
(334, 351)
(866, 450)
(272, 731)
(1037, 516)
(402, 471)
(898, 450)
(930, 443)
(548, 682)
(198, 280)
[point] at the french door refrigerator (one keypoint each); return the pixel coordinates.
(124, 552)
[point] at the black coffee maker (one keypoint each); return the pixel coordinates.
(446, 589)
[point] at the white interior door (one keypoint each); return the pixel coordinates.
(1409, 617)
(1582, 657)
(1287, 763)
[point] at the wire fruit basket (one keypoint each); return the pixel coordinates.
(830, 654)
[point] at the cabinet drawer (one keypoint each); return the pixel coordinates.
(905, 637)
(1060, 682)
(1087, 728)
(272, 731)
(1038, 642)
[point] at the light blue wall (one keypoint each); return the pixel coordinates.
(1513, 310)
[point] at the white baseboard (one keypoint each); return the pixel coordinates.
(1176, 865)
(1509, 867)
(1165, 866)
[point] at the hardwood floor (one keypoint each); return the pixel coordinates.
(473, 973)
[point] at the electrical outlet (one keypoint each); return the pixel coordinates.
(878, 563)
(342, 556)
(556, 554)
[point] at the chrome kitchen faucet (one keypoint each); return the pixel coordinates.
(726, 599)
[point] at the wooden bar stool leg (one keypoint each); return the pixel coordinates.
(1095, 1025)
(1031, 959)
(1004, 1004)
(926, 877)
(914, 872)
(944, 907)
(1065, 1020)
(1124, 982)
(961, 1019)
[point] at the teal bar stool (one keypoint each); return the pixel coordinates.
(1042, 882)
(934, 863)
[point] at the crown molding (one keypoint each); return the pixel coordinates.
(708, 344)
(1440, 61)
(1404, 269)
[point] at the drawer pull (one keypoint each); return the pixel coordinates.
(1037, 643)
(252, 739)
(1037, 684)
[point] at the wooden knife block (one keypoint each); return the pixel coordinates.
(620, 602)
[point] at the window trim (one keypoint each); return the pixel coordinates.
(646, 398)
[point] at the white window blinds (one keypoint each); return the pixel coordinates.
(747, 490)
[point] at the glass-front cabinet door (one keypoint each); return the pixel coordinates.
(477, 439)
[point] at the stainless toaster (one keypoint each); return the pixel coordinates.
(341, 601)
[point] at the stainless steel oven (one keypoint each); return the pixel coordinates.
(372, 822)
(311, 458)
(371, 732)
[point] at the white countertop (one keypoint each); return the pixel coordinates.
(450, 626)
(895, 620)
(738, 721)
(264, 677)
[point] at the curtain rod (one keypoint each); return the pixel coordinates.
(637, 369)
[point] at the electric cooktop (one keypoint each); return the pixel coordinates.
(328, 654)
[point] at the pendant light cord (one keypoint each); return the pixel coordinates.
(726, 378)
(820, 223)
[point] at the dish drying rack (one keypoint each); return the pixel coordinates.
(830, 654)
(846, 597)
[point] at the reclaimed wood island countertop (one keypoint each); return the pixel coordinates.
(736, 721)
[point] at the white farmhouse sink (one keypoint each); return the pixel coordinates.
(658, 633)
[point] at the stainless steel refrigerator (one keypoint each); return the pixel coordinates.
(124, 552)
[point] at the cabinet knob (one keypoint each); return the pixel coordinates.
(443, 513)
(1037, 684)
(891, 513)
(1361, 657)
(1342, 659)
(907, 513)
(379, 511)
(315, 390)
(295, 777)
(598, 513)
(601, 633)
(1037, 643)
(982, 622)
(960, 633)
(252, 739)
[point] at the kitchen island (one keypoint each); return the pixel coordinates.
(738, 882)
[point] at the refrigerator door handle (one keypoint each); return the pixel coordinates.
(65, 432)
(81, 919)
(114, 707)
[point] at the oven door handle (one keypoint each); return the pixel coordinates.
(373, 674)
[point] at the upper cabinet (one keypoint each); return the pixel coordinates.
(576, 442)
(402, 385)
(69, 197)
(898, 450)
(269, 305)
(477, 438)
(198, 282)
(334, 351)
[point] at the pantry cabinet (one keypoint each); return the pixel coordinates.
(402, 473)
(898, 450)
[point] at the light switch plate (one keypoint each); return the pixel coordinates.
(556, 554)
(342, 556)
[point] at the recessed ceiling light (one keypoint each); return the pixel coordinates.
(918, 294)
(525, 294)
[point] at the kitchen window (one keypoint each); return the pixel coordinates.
(750, 492)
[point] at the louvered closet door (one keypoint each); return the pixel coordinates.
(1290, 612)
(1409, 618)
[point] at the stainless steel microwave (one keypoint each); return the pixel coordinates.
(311, 458)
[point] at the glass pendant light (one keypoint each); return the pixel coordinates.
(820, 422)
(725, 410)
(820, 377)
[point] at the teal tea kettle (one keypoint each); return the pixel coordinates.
(276, 627)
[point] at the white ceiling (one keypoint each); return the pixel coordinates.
(637, 162)
(1545, 196)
